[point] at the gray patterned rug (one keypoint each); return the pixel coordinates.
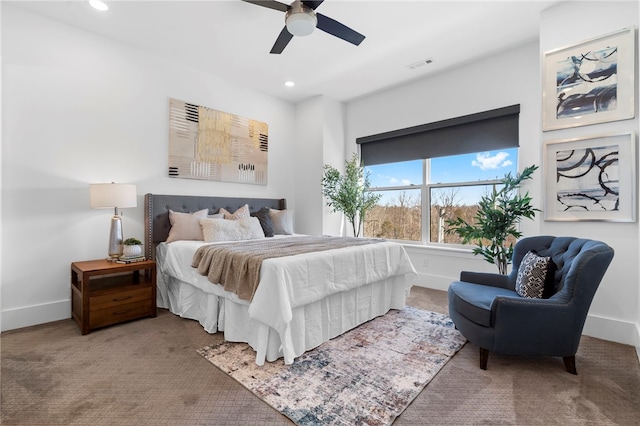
(367, 376)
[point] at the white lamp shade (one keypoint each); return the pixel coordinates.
(110, 195)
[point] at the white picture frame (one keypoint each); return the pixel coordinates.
(590, 82)
(591, 178)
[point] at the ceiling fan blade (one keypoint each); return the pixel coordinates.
(312, 4)
(339, 30)
(270, 4)
(283, 39)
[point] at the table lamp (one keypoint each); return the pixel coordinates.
(113, 195)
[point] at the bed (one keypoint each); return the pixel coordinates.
(300, 302)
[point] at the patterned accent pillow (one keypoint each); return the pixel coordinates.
(535, 276)
(264, 217)
(241, 213)
(216, 230)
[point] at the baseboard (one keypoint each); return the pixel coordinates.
(435, 282)
(611, 329)
(638, 341)
(36, 314)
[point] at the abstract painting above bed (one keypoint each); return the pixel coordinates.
(207, 144)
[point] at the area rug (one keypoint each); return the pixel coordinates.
(367, 376)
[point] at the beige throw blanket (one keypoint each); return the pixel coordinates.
(236, 266)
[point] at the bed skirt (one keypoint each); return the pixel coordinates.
(311, 325)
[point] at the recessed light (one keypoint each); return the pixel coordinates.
(289, 83)
(98, 5)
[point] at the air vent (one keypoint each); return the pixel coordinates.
(420, 64)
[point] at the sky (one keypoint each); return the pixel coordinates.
(460, 168)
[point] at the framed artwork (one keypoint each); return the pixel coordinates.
(591, 178)
(590, 82)
(207, 144)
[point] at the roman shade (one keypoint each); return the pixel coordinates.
(483, 131)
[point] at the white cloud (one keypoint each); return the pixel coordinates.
(392, 181)
(487, 162)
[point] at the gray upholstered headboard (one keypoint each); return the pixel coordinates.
(156, 212)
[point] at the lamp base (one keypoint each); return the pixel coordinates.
(115, 238)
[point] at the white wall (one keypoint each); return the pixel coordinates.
(79, 109)
(319, 141)
(333, 154)
(308, 165)
(508, 78)
(615, 311)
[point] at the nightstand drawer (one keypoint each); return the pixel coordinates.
(119, 313)
(120, 298)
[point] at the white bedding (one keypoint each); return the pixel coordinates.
(301, 300)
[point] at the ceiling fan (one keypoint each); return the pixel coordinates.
(301, 19)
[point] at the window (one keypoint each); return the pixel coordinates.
(418, 196)
(432, 172)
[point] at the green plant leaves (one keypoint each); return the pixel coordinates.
(498, 215)
(348, 193)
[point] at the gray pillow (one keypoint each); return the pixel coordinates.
(264, 216)
(282, 221)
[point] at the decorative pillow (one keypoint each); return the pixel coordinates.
(216, 230)
(535, 276)
(264, 216)
(186, 226)
(282, 221)
(216, 216)
(242, 212)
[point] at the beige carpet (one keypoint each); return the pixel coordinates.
(147, 372)
(367, 376)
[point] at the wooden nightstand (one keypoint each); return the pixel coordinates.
(105, 293)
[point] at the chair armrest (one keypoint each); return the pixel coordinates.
(535, 326)
(484, 278)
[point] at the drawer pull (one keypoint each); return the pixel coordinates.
(120, 299)
(122, 312)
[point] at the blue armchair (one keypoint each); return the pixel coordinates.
(490, 313)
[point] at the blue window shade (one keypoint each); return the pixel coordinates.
(483, 131)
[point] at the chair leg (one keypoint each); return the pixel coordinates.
(570, 364)
(484, 357)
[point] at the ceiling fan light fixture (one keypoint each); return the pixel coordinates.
(300, 21)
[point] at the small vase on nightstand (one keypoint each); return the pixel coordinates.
(131, 247)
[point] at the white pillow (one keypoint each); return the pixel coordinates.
(186, 226)
(216, 230)
(282, 221)
(238, 214)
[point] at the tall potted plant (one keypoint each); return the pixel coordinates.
(498, 214)
(348, 193)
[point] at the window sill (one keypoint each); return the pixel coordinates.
(460, 252)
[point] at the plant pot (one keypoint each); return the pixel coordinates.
(129, 251)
